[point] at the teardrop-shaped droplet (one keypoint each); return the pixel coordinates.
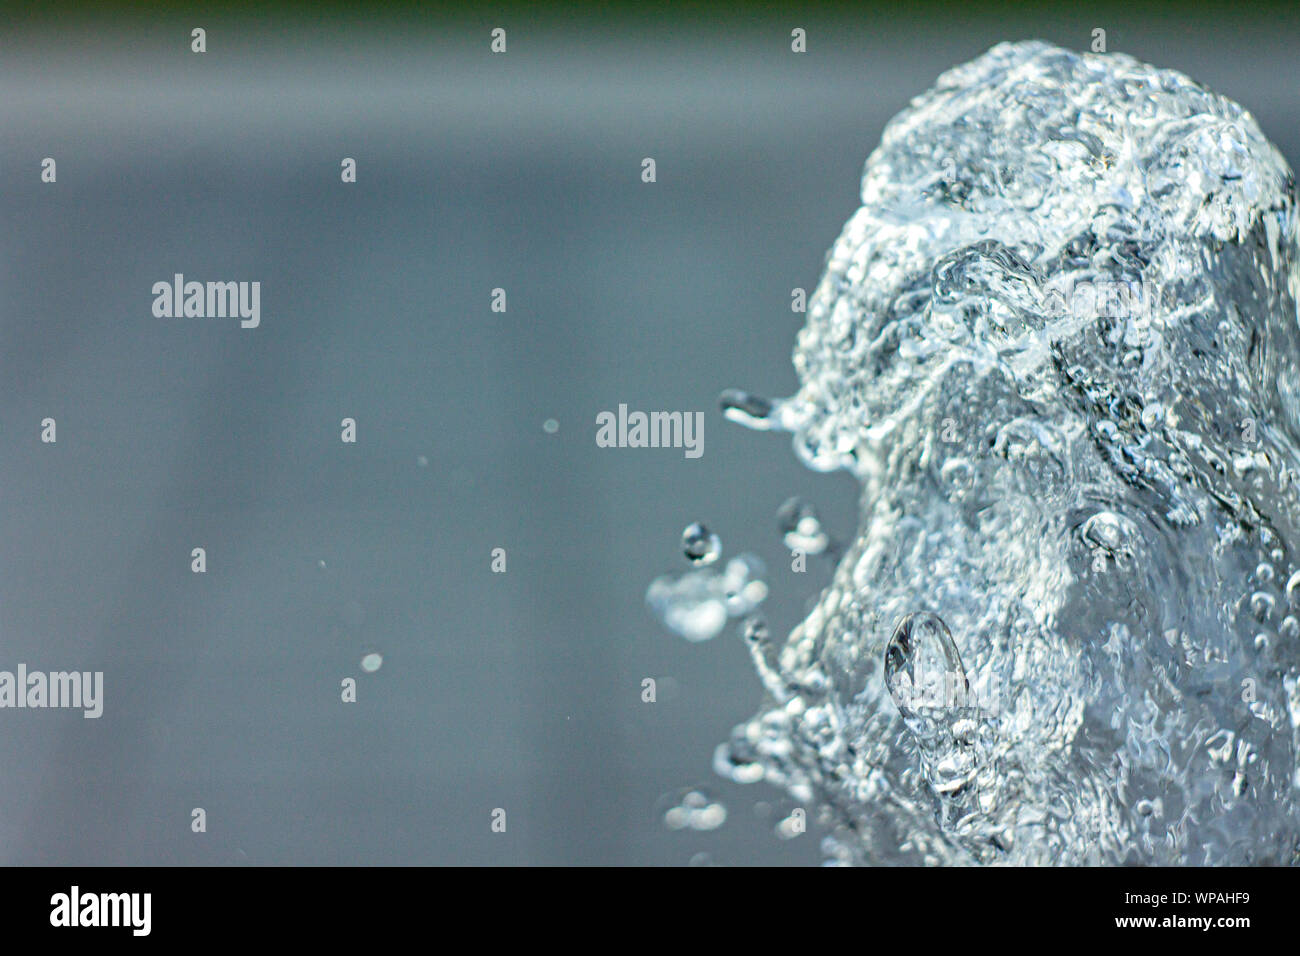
(923, 670)
(928, 683)
(1293, 590)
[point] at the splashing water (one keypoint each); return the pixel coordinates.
(1058, 346)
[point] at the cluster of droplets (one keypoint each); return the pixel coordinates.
(698, 604)
(695, 809)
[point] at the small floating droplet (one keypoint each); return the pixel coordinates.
(1293, 590)
(755, 630)
(922, 667)
(372, 662)
(743, 586)
(752, 411)
(801, 529)
(737, 760)
(550, 426)
(700, 545)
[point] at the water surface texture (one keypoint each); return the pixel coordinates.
(1057, 345)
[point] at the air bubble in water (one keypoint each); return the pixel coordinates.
(698, 603)
(1293, 590)
(372, 662)
(791, 827)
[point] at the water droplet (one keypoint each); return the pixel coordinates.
(752, 411)
(737, 760)
(1108, 532)
(755, 630)
(696, 811)
(922, 667)
(792, 826)
(689, 605)
(801, 529)
(372, 662)
(928, 684)
(700, 545)
(1147, 808)
(1261, 605)
(1293, 590)
(698, 604)
(550, 426)
(743, 586)
(958, 477)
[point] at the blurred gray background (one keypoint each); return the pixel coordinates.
(518, 690)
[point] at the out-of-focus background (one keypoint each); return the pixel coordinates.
(475, 171)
